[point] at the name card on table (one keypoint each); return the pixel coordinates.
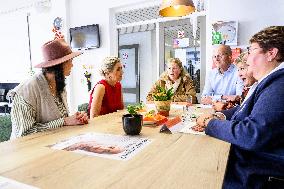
(173, 125)
(176, 125)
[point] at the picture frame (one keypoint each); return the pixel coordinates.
(225, 32)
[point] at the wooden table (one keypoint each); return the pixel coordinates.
(170, 161)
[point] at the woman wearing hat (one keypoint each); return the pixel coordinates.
(256, 130)
(40, 104)
(106, 97)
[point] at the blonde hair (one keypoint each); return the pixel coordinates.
(179, 63)
(175, 60)
(108, 64)
(242, 58)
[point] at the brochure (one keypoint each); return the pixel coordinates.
(104, 145)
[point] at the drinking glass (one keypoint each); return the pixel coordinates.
(189, 100)
(211, 94)
(187, 113)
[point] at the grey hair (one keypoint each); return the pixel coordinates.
(108, 64)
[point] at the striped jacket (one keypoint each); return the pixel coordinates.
(35, 109)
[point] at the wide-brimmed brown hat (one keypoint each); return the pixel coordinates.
(56, 52)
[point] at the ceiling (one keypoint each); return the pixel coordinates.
(10, 6)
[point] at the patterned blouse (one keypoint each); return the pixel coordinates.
(24, 117)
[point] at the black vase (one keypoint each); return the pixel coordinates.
(132, 124)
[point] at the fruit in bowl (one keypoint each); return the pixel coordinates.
(152, 118)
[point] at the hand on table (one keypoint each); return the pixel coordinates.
(231, 98)
(203, 119)
(206, 100)
(219, 106)
(79, 118)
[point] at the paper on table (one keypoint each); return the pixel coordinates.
(177, 106)
(204, 106)
(104, 145)
(6, 183)
(188, 129)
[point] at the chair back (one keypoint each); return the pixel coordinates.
(2, 95)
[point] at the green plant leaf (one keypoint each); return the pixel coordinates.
(162, 94)
(133, 108)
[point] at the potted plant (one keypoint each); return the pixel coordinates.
(132, 122)
(162, 99)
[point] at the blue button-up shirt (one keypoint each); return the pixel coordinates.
(228, 83)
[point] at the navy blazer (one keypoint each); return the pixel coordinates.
(256, 131)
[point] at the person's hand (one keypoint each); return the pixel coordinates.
(77, 119)
(219, 106)
(231, 98)
(82, 116)
(203, 119)
(206, 100)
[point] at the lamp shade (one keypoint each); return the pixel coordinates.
(173, 8)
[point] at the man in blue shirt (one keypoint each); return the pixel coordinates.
(223, 81)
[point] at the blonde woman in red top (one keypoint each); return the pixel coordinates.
(106, 97)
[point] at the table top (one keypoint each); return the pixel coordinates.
(170, 161)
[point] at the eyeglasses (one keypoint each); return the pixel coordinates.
(219, 56)
(249, 49)
(243, 68)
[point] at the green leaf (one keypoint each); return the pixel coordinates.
(162, 94)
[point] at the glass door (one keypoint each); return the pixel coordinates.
(130, 82)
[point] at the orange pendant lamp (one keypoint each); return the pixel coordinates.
(173, 8)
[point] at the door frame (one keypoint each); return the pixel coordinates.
(137, 70)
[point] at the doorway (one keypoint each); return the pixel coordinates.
(130, 82)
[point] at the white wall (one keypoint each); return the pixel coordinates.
(86, 12)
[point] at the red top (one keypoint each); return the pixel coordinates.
(111, 100)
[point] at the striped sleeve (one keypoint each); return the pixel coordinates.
(23, 118)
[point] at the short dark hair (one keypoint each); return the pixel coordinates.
(271, 37)
(227, 49)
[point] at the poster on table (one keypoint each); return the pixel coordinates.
(104, 145)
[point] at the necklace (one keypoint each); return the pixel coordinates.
(52, 90)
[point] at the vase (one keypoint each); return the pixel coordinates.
(163, 107)
(132, 124)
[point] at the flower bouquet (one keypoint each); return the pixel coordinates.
(162, 99)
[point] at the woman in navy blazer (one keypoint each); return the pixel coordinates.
(256, 129)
